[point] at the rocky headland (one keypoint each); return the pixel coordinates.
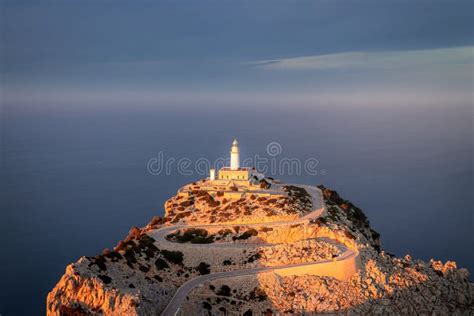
(281, 249)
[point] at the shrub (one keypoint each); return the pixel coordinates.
(203, 268)
(248, 313)
(146, 245)
(175, 257)
(258, 295)
(202, 240)
(224, 290)
(106, 279)
(246, 235)
(130, 257)
(254, 257)
(227, 262)
(190, 233)
(114, 256)
(223, 233)
(375, 235)
(161, 264)
(297, 193)
(268, 312)
(220, 193)
(99, 261)
(193, 235)
(359, 215)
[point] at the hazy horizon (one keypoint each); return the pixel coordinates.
(380, 93)
(263, 53)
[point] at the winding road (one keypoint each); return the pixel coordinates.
(341, 267)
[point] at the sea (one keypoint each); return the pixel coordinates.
(74, 180)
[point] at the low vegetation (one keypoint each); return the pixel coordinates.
(298, 194)
(246, 235)
(202, 236)
(161, 264)
(338, 207)
(192, 235)
(203, 268)
(224, 290)
(175, 257)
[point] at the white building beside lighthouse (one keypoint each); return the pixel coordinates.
(235, 172)
(233, 181)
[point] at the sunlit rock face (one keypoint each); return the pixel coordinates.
(210, 202)
(329, 263)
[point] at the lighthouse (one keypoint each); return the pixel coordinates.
(234, 156)
(234, 172)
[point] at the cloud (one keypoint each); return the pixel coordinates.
(435, 77)
(441, 57)
(77, 98)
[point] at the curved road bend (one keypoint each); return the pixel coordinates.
(318, 208)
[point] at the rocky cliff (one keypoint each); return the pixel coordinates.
(142, 274)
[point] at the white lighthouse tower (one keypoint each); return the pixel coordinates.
(235, 172)
(234, 156)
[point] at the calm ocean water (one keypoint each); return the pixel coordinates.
(73, 182)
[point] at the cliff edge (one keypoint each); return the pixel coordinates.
(276, 248)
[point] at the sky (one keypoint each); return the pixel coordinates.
(85, 88)
(276, 53)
